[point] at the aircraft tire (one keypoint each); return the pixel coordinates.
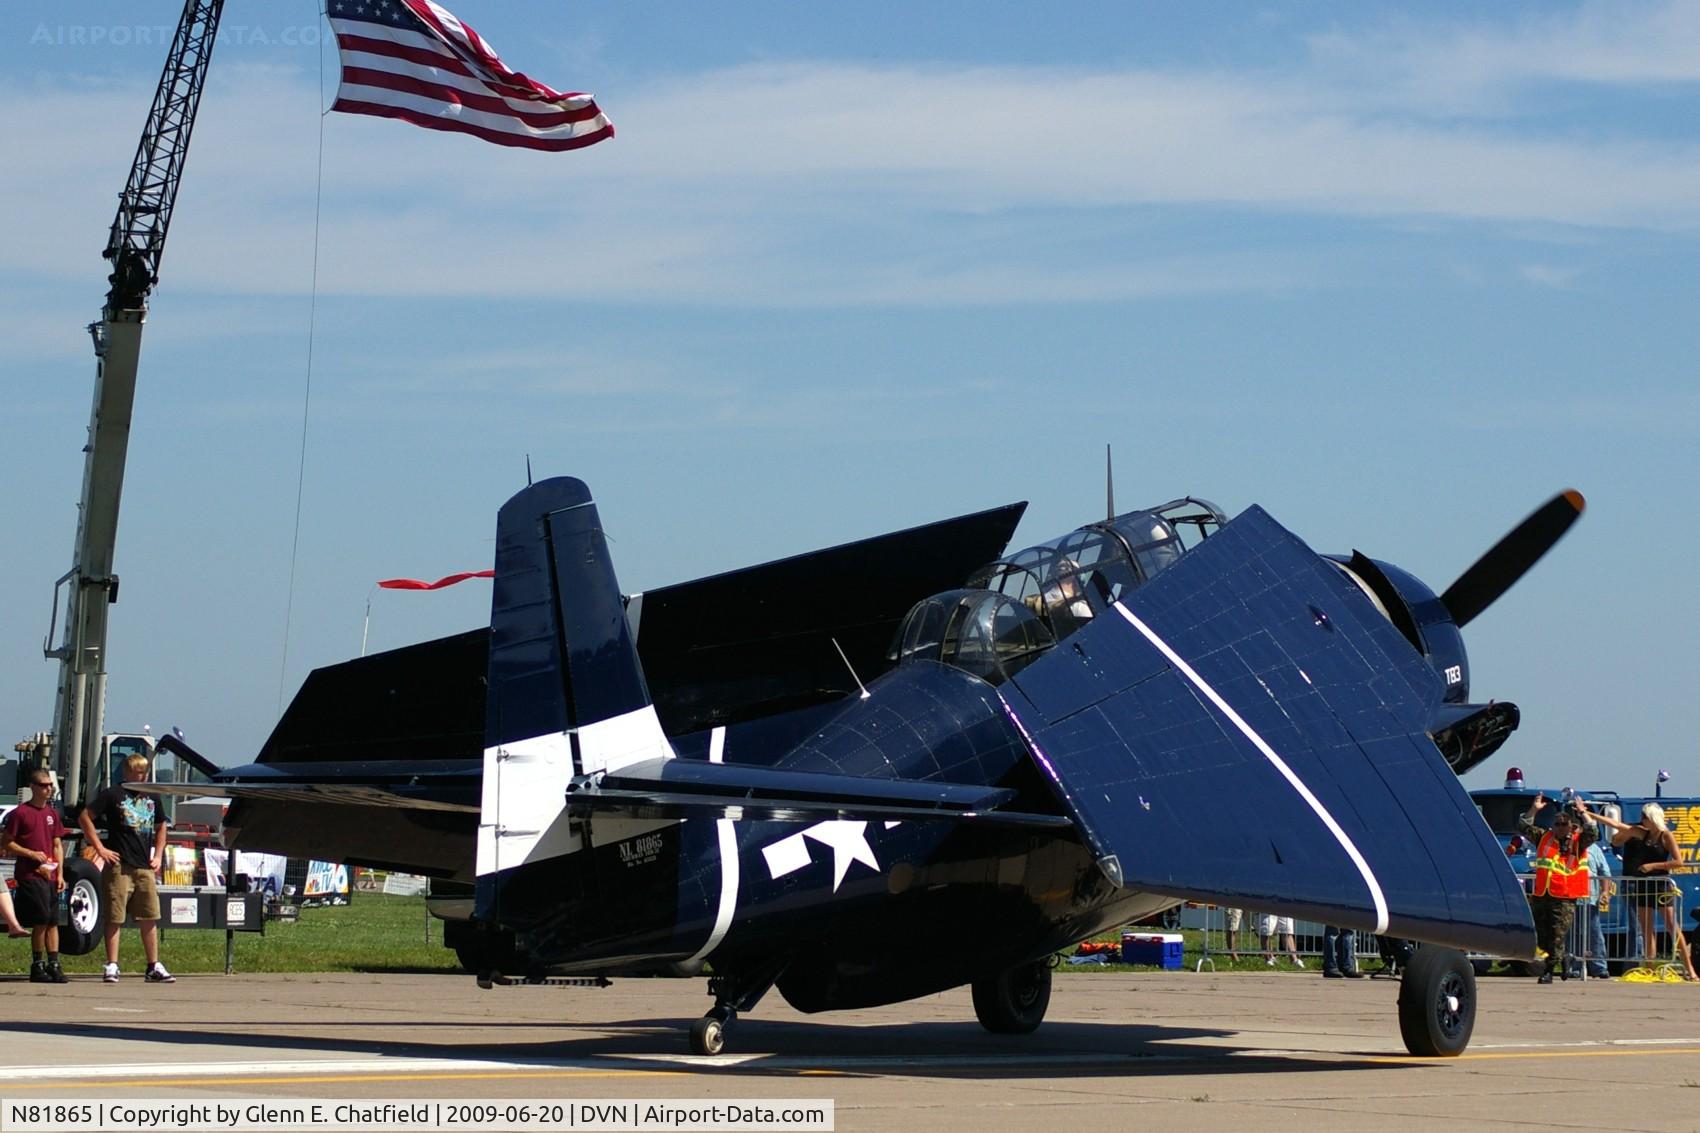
(1013, 1002)
(85, 926)
(708, 1035)
(1437, 1002)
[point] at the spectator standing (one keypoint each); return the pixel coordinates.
(1340, 953)
(33, 835)
(134, 825)
(8, 914)
(1231, 919)
(1272, 925)
(1590, 941)
(1650, 852)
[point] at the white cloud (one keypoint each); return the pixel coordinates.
(1546, 275)
(1465, 67)
(861, 184)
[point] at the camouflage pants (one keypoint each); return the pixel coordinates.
(1552, 926)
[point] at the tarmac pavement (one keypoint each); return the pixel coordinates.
(1171, 1050)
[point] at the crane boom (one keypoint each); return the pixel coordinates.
(134, 247)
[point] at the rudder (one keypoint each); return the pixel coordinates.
(567, 695)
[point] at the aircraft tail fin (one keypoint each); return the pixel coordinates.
(567, 695)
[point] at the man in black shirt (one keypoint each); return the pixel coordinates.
(135, 827)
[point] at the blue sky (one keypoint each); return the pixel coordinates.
(1397, 277)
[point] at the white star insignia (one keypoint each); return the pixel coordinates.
(849, 842)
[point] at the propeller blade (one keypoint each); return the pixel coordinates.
(1510, 558)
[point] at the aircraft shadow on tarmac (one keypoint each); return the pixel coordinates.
(772, 1048)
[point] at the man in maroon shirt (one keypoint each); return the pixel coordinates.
(32, 835)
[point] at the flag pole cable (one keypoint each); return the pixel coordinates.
(307, 391)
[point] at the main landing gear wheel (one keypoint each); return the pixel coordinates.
(1013, 1002)
(1437, 1003)
(708, 1034)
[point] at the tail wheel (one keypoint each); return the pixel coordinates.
(85, 904)
(1013, 1002)
(1437, 1003)
(708, 1036)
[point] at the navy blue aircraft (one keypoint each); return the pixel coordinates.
(1161, 707)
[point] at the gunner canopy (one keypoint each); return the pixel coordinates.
(1017, 607)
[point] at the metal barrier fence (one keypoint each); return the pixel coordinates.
(1239, 934)
(1635, 930)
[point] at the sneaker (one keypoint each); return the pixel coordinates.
(156, 974)
(1269, 961)
(109, 974)
(56, 974)
(1298, 962)
(1354, 974)
(1328, 975)
(38, 973)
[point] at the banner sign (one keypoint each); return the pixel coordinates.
(326, 882)
(265, 871)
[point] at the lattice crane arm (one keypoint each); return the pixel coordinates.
(134, 247)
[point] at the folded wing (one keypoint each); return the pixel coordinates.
(1246, 729)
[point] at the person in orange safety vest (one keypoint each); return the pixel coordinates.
(1561, 877)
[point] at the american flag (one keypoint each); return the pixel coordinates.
(413, 60)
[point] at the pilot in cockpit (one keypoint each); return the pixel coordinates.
(1064, 595)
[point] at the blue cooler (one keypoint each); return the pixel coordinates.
(1157, 949)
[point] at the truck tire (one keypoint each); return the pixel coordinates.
(85, 905)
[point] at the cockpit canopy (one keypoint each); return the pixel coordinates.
(1019, 606)
(978, 631)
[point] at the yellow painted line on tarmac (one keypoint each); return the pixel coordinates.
(1637, 1052)
(303, 1079)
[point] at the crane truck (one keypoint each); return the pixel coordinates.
(79, 751)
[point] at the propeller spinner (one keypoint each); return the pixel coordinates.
(1466, 733)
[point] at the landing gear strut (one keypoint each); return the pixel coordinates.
(732, 994)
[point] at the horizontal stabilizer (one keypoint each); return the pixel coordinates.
(420, 815)
(677, 788)
(1247, 730)
(347, 794)
(435, 785)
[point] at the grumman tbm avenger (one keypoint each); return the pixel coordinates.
(815, 774)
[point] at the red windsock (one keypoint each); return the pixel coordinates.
(421, 584)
